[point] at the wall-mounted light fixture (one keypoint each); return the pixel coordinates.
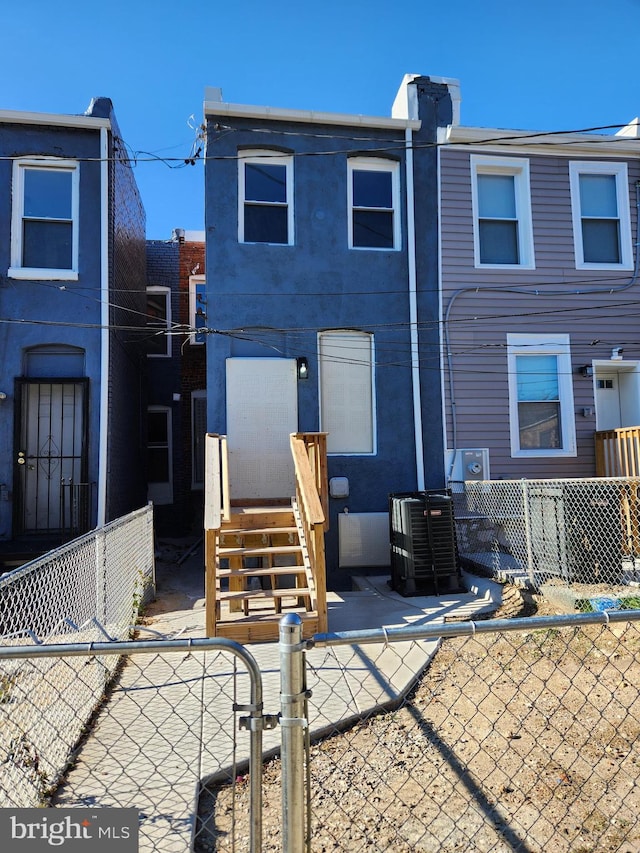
(587, 370)
(3, 396)
(303, 367)
(616, 353)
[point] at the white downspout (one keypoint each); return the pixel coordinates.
(104, 334)
(413, 312)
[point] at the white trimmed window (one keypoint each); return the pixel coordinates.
(265, 197)
(374, 203)
(158, 322)
(601, 221)
(159, 468)
(44, 226)
(197, 307)
(347, 398)
(503, 232)
(541, 409)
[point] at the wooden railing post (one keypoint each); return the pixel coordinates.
(216, 503)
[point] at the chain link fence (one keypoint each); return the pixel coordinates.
(499, 735)
(95, 584)
(519, 736)
(565, 532)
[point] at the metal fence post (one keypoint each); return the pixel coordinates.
(101, 576)
(293, 724)
(527, 530)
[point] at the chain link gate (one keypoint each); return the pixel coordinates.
(134, 724)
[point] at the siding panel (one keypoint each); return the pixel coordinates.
(596, 318)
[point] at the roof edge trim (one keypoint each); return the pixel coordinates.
(220, 108)
(56, 119)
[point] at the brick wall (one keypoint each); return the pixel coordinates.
(171, 264)
(127, 264)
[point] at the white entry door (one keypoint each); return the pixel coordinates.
(262, 412)
(608, 411)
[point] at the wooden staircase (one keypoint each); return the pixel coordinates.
(260, 574)
(263, 561)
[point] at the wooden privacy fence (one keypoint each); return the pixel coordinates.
(618, 452)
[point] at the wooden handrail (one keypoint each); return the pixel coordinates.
(315, 444)
(308, 467)
(617, 452)
(217, 503)
(306, 483)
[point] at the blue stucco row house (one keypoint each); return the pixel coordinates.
(72, 299)
(323, 304)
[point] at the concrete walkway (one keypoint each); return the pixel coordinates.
(170, 723)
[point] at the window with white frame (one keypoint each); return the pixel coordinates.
(541, 410)
(503, 232)
(198, 432)
(44, 228)
(158, 340)
(601, 221)
(374, 203)
(347, 400)
(197, 307)
(159, 467)
(265, 196)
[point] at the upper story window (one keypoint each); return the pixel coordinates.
(601, 221)
(540, 395)
(158, 321)
(503, 233)
(44, 228)
(265, 195)
(197, 307)
(374, 203)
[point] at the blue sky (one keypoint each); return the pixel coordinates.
(543, 65)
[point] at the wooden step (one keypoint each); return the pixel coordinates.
(259, 531)
(262, 571)
(258, 551)
(259, 517)
(241, 600)
(249, 594)
(262, 627)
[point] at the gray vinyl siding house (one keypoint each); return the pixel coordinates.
(539, 289)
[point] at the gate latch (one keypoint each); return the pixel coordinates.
(263, 723)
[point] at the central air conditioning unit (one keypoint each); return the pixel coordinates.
(424, 554)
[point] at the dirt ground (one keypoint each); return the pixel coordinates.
(519, 741)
